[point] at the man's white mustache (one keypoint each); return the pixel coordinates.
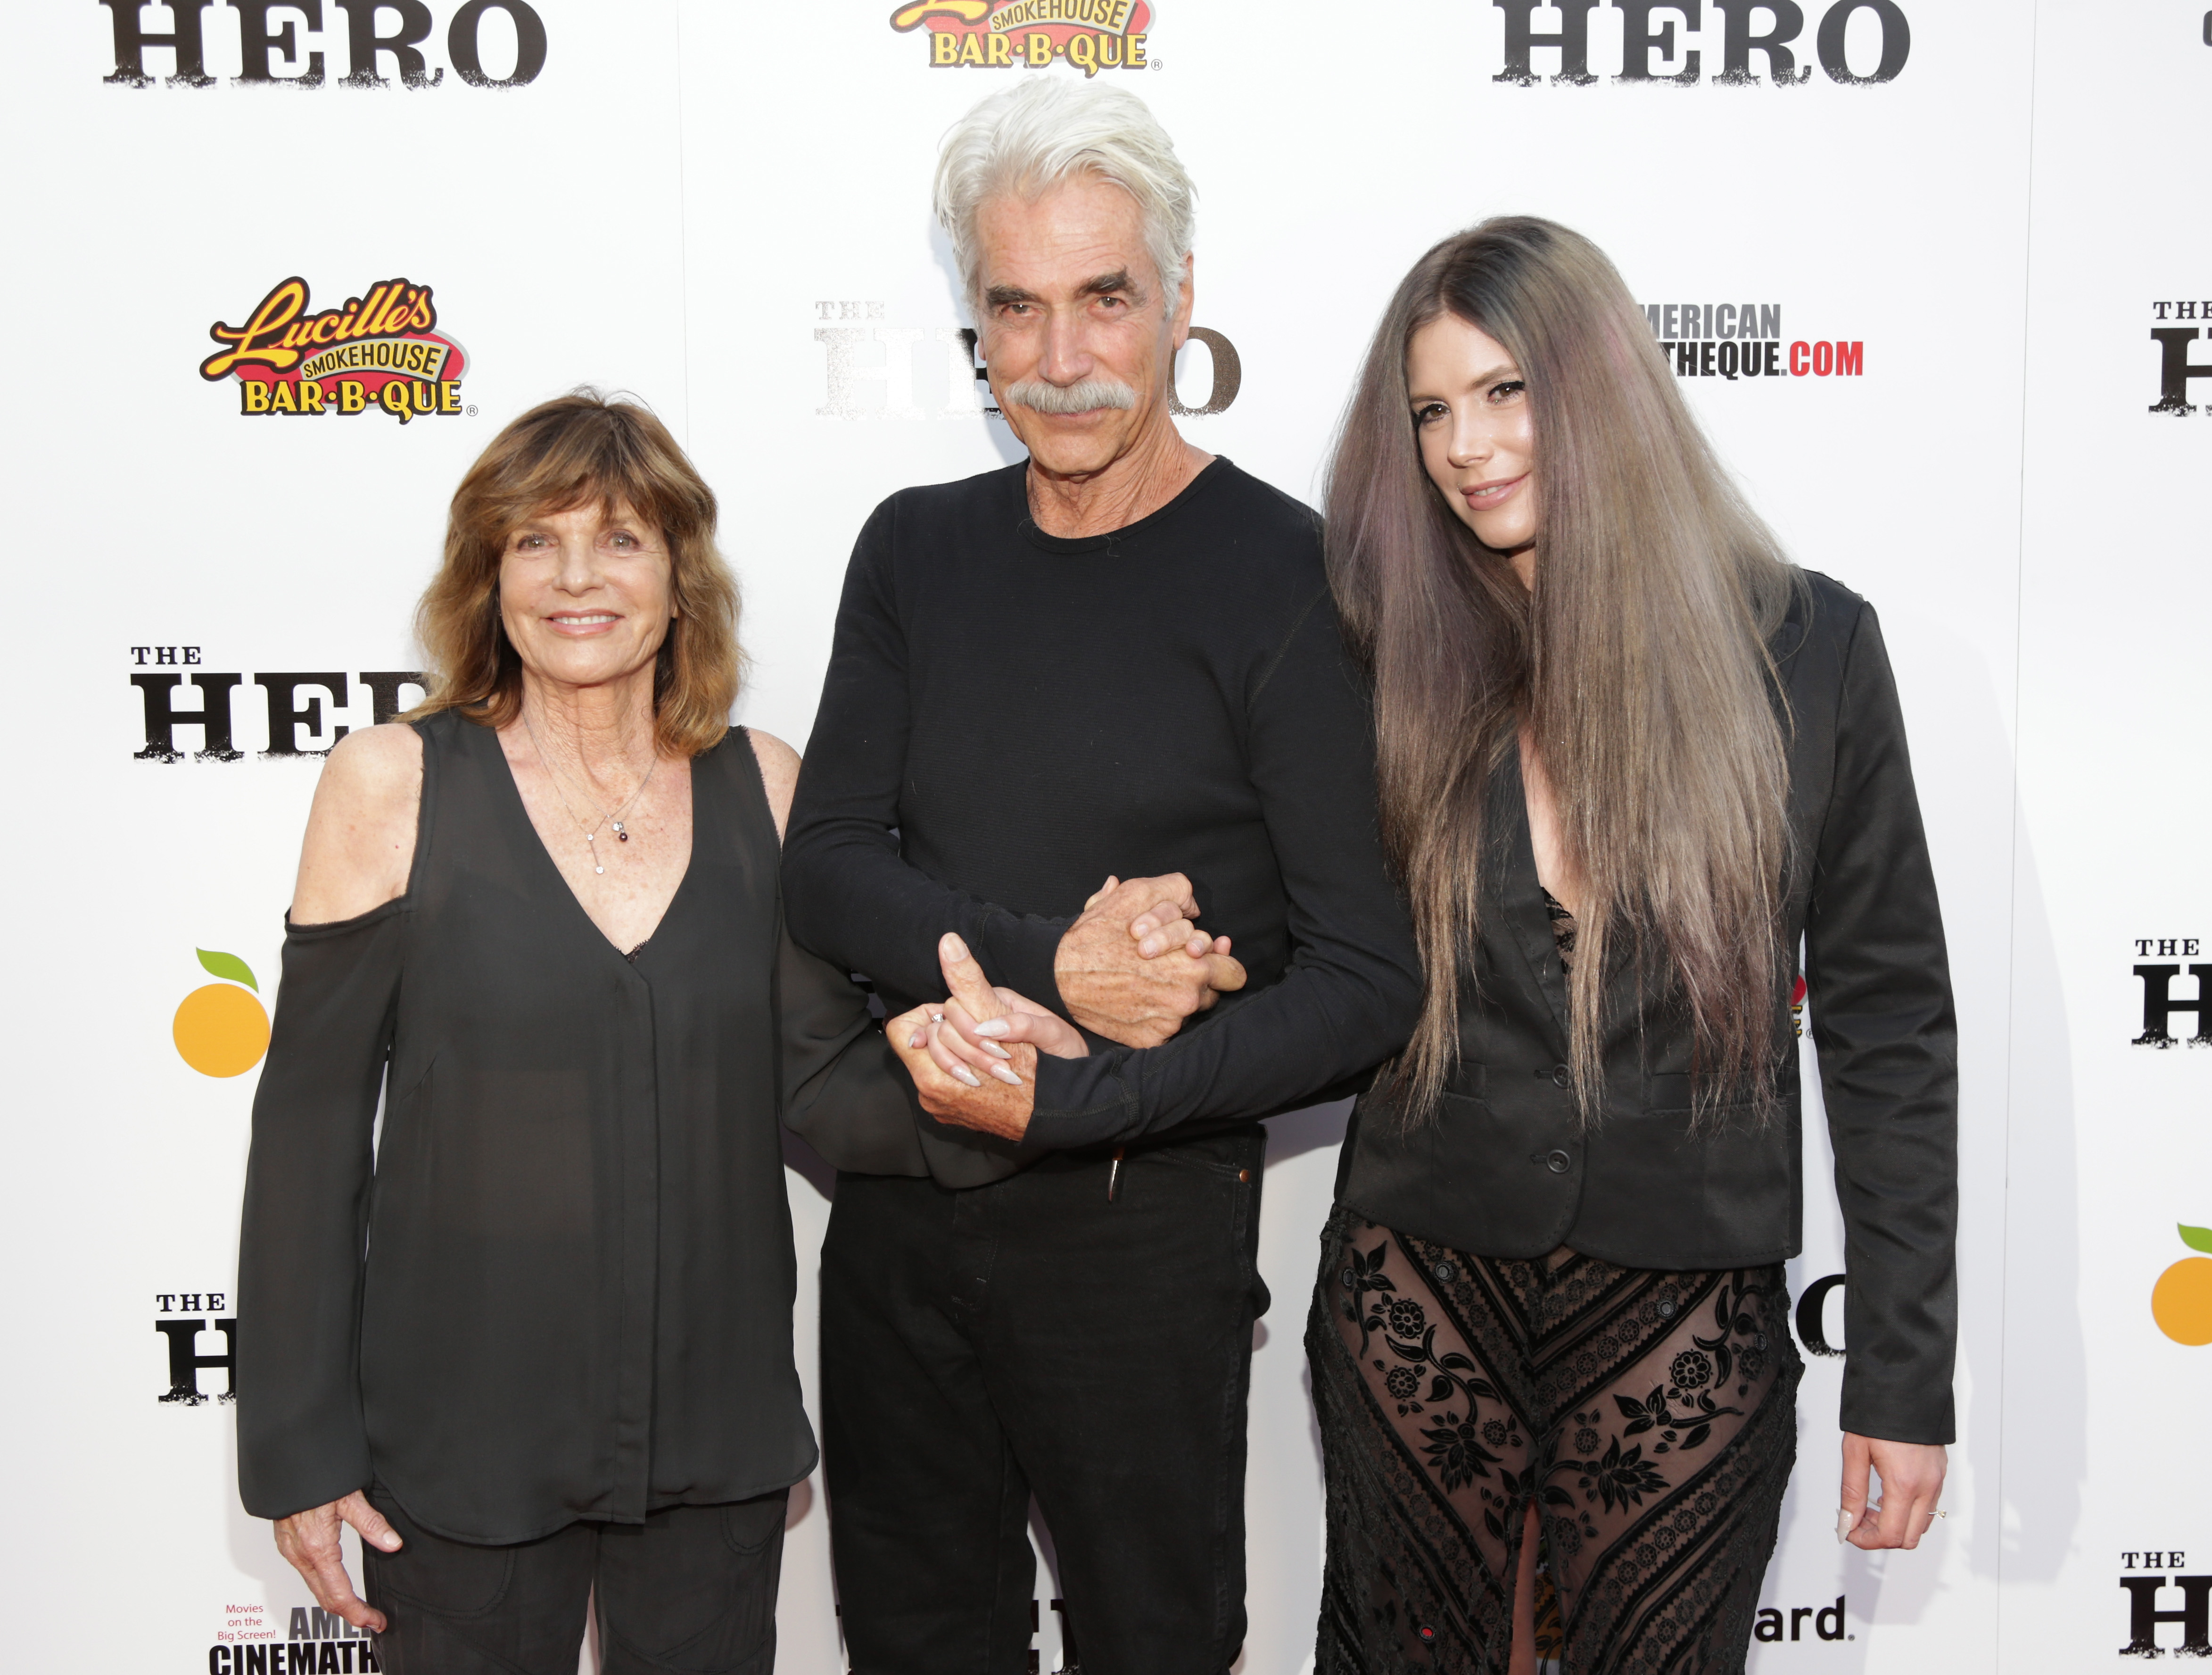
(1041, 397)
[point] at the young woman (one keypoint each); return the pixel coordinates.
(1631, 763)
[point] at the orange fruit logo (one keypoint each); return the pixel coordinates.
(221, 1030)
(2181, 1301)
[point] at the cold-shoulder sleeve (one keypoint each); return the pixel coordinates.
(300, 1438)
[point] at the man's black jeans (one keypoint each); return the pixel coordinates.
(1033, 1337)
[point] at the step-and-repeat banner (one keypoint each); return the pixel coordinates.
(1936, 275)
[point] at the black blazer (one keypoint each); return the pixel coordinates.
(1506, 1167)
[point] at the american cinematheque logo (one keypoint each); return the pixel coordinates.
(1739, 340)
(997, 35)
(382, 349)
(316, 1642)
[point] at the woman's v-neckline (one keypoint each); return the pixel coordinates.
(1522, 892)
(519, 811)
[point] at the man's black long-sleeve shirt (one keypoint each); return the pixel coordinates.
(1010, 716)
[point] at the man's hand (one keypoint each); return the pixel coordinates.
(1911, 1476)
(309, 1543)
(1133, 967)
(973, 1057)
(1161, 926)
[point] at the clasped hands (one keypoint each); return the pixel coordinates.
(1132, 968)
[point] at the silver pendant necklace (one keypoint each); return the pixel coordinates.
(614, 820)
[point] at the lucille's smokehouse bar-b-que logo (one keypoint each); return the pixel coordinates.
(997, 34)
(382, 349)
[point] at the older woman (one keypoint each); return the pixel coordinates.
(535, 1336)
(1629, 761)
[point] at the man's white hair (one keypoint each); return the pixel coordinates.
(1027, 140)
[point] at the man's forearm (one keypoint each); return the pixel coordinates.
(851, 897)
(1288, 1046)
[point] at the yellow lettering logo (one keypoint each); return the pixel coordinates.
(963, 11)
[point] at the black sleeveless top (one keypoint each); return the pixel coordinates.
(576, 1296)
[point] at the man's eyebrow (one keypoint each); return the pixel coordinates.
(1104, 284)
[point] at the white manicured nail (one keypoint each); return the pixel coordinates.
(992, 1026)
(967, 1076)
(1006, 1075)
(996, 1051)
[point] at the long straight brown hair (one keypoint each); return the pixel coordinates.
(1637, 663)
(563, 454)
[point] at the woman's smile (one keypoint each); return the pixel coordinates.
(1483, 496)
(578, 624)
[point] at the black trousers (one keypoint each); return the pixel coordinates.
(1032, 1337)
(690, 1591)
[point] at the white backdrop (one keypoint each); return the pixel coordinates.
(726, 210)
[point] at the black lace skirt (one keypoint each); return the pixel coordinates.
(1650, 1416)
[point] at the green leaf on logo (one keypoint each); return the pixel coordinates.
(230, 965)
(2197, 1239)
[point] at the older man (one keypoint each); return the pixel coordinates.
(1118, 656)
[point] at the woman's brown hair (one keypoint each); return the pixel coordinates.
(1638, 661)
(561, 454)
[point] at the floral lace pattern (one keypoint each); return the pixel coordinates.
(1649, 1417)
(1563, 930)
